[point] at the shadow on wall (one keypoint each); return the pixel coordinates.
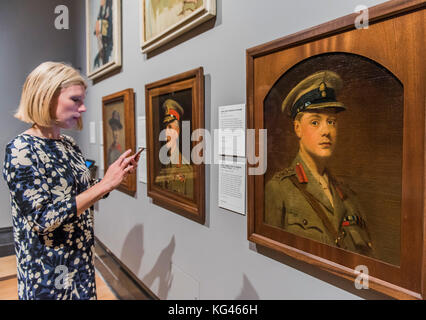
(132, 250)
(248, 292)
(162, 271)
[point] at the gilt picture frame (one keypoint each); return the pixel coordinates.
(103, 37)
(174, 110)
(367, 89)
(163, 21)
(118, 120)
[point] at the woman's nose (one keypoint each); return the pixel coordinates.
(82, 108)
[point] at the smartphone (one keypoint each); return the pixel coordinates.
(137, 154)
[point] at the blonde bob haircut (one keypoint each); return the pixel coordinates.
(41, 90)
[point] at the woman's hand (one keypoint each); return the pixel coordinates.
(112, 179)
(119, 169)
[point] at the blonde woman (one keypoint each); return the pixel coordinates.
(51, 189)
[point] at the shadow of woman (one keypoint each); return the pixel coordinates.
(248, 292)
(162, 271)
(132, 251)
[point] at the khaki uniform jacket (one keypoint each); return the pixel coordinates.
(293, 199)
(177, 178)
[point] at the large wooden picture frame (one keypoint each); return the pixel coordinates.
(175, 182)
(118, 114)
(103, 37)
(163, 21)
(372, 80)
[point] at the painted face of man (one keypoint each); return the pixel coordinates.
(317, 133)
(172, 133)
(70, 106)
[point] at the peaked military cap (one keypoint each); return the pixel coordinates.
(317, 91)
(172, 111)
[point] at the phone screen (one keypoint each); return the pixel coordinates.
(89, 163)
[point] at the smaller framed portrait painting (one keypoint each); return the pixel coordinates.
(119, 132)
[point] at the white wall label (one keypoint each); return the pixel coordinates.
(92, 132)
(232, 124)
(232, 184)
(142, 132)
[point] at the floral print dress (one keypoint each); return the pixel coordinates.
(54, 247)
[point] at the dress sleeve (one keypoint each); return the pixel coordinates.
(44, 202)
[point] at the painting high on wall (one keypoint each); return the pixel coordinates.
(161, 15)
(164, 20)
(103, 36)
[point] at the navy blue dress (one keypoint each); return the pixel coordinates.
(54, 247)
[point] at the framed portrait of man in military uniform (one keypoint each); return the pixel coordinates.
(174, 110)
(344, 184)
(118, 121)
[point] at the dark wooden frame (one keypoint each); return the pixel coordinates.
(193, 79)
(397, 28)
(127, 96)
